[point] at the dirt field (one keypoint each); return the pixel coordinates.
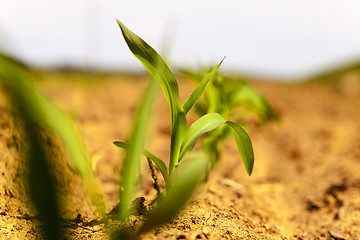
(305, 184)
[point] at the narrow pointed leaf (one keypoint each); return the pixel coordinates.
(196, 94)
(159, 163)
(43, 112)
(155, 65)
(131, 165)
(244, 145)
(177, 195)
(205, 124)
(158, 69)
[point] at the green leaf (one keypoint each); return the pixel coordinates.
(43, 189)
(248, 97)
(195, 76)
(155, 65)
(196, 94)
(244, 145)
(158, 69)
(179, 194)
(215, 96)
(205, 124)
(160, 163)
(200, 109)
(41, 111)
(131, 164)
(210, 122)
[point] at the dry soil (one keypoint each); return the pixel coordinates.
(305, 184)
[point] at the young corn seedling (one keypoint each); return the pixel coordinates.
(232, 98)
(185, 171)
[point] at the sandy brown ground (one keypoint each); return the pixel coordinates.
(305, 184)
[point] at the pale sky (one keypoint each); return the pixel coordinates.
(279, 37)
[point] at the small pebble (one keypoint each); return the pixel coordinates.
(336, 235)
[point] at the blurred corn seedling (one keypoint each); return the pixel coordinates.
(232, 98)
(38, 113)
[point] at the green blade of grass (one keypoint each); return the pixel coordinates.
(179, 194)
(159, 163)
(205, 124)
(244, 145)
(41, 111)
(196, 94)
(131, 165)
(161, 72)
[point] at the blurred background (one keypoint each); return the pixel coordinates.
(280, 38)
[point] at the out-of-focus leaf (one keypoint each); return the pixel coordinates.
(179, 194)
(244, 145)
(42, 112)
(196, 94)
(210, 145)
(195, 76)
(200, 109)
(248, 97)
(161, 72)
(40, 180)
(160, 163)
(205, 124)
(130, 171)
(215, 97)
(42, 186)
